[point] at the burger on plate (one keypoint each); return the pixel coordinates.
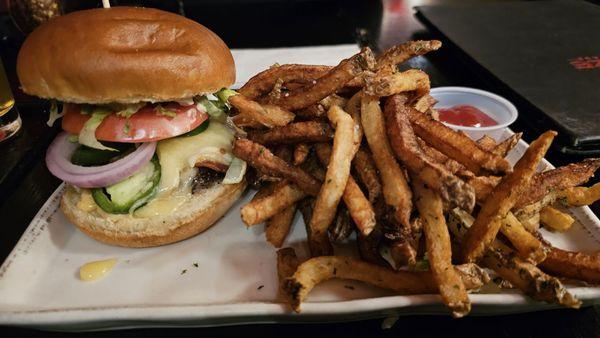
(146, 147)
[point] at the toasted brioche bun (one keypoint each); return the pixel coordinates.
(124, 55)
(201, 211)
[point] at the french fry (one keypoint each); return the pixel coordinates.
(264, 81)
(577, 265)
(267, 114)
(278, 227)
(509, 266)
(318, 246)
(424, 103)
(456, 145)
(483, 185)
(564, 177)
(387, 84)
(451, 287)
(487, 143)
(555, 220)
(504, 147)
(314, 111)
(401, 53)
(283, 196)
(503, 198)
(529, 248)
(364, 166)
(368, 247)
(353, 109)
(404, 143)
(396, 191)
(287, 263)
(296, 132)
(453, 166)
(319, 269)
(333, 100)
(262, 159)
(341, 228)
(301, 151)
(245, 121)
(337, 172)
(359, 207)
(329, 83)
(580, 196)
(527, 277)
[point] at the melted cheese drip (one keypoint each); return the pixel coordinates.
(95, 270)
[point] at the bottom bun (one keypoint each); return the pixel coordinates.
(197, 214)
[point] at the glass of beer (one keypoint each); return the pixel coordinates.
(10, 121)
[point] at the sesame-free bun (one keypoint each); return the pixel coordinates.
(124, 55)
(197, 214)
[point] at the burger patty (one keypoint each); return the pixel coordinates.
(206, 178)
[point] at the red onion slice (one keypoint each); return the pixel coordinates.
(58, 161)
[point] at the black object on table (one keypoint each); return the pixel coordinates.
(270, 23)
(543, 54)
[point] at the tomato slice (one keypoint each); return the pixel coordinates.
(145, 125)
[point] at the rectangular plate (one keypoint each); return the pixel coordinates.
(235, 281)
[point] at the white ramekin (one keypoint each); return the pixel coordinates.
(495, 106)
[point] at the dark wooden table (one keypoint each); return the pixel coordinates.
(25, 183)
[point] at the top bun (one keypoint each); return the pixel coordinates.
(124, 55)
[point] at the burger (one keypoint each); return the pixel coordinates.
(145, 149)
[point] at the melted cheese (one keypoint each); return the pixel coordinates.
(178, 157)
(180, 153)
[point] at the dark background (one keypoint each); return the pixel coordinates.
(25, 183)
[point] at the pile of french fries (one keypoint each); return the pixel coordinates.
(357, 148)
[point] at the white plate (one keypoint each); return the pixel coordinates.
(235, 281)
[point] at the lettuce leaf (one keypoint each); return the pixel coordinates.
(54, 114)
(87, 135)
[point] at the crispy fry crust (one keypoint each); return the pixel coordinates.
(387, 84)
(483, 185)
(456, 145)
(401, 53)
(568, 176)
(529, 248)
(337, 174)
(329, 83)
(262, 159)
(569, 264)
(556, 220)
(451, 287)
(580, 196)
(287, 263)
(264, 81)
(404, 143)
(487, 143)
(301, 151)
(503, 198)
(364, 166)
(308, 131)
(396, 191)
(283, 196)
(341, 228)
(527, 276)
(504, 147)
(278, 227)
(266, 114)
(424, 103)
(320, 269)
(318, 246)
